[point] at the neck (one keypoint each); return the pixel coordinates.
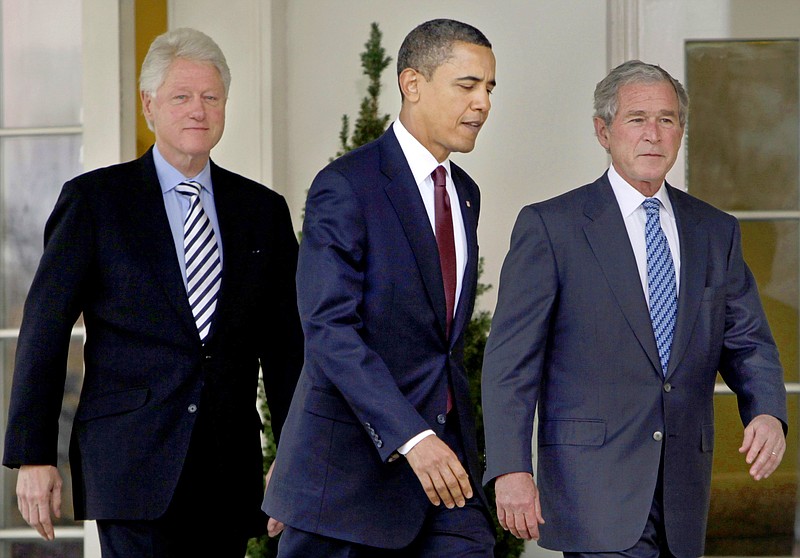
(409, 123)
(188, 165)
(647, 189)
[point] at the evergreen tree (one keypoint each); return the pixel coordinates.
(369, 126)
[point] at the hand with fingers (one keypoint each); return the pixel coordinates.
(39, 494)
(274, 527)
(518, 507)
(764, 443)
(440, 473)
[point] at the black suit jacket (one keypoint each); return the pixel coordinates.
(378, 360)
(572, 332)
(109, 254)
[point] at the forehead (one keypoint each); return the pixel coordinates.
(656, 96)
(191, 73)
(470, 60)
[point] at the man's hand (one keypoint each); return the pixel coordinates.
(764, 444)
(38, 494)
(274, 527)
(518, 508)
(440, 472)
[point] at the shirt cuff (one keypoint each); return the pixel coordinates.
(408, 446)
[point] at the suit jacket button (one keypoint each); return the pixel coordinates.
(657, 436)
(192, 408)
(667, 387)
(379, 443)
(441, 419)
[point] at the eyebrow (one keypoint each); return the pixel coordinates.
(644, 113)
(476, 79)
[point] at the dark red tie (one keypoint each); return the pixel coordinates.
(447, 250)
(445, 240)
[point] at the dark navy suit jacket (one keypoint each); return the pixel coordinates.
(377, 360)
(109, 254)
(572, 332)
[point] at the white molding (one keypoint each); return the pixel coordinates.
(102, 81)
(623, 31)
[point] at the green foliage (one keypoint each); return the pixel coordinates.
(263, 546)
(369, 125)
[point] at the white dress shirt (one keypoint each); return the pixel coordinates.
(422, 164)
(630, 201)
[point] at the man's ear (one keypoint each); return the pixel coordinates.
(409, 80)
(146, 100)
(601, 131)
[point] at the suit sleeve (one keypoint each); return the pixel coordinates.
(51, 309)
(749, 363)
(282, 358)
(330, 283)
(515, 354)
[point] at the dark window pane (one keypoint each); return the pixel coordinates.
(771, 250)
(41, 549)
(8, 507)
(33, 171)
(743, 134)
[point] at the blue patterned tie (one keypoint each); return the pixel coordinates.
(660, 282)
(203, 264)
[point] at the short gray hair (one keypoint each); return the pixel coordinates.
(430, 44)
(186, 43)
(606, 94)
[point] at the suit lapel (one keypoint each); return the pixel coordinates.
(694, 254)
(149, 226)
(405, 198)
(233, 235)
(464, 307)
(604, 231)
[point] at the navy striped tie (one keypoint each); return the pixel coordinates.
(203, 264)
(660, 282)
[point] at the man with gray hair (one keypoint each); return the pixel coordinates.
(618, 303)
(184, 274)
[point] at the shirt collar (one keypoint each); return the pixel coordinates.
(421, 161)
(169, 176)
(630, 199)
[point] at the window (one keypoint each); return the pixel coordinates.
(40, 148)
(743, 152)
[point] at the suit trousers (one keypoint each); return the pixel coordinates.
(198, 522)
(446, 533)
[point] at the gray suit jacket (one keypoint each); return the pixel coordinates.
(572, 332)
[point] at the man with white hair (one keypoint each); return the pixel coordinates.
(184, 274)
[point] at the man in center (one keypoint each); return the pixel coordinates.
(379, 456)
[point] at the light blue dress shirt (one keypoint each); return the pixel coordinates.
(177, 205)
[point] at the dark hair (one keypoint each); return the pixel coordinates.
(606, 93)
(430, 44)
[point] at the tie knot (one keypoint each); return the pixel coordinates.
(439, 176)
(189, 188)
(651, 205)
